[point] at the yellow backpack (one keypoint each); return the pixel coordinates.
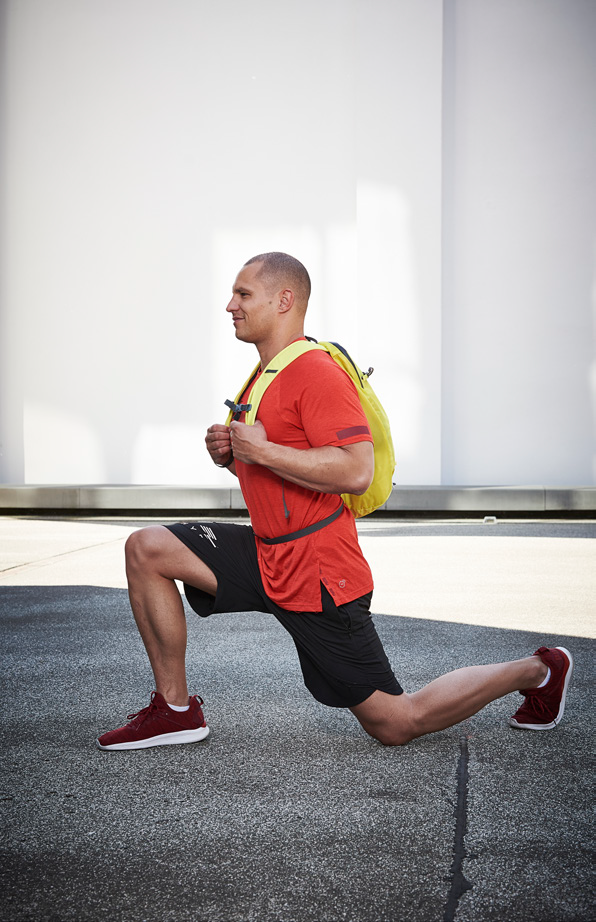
(380, 488)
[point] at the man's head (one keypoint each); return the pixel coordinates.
(279, 271)
(269, 301)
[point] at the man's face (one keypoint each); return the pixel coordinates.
(253, 307)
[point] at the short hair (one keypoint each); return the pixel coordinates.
(283, 270)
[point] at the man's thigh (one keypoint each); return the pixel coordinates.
(155, 549)
(229, 551)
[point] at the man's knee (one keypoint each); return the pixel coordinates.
(144, 548)
(388, 719)
(389, 734)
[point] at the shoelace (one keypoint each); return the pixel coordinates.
(152, 706)
(144, 712)
(538, 705)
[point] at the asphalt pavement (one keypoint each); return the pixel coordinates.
(288, 812)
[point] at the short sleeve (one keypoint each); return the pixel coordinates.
(329, 408)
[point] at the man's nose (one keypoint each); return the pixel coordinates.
(231, 305)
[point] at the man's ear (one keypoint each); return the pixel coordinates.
(286, 300)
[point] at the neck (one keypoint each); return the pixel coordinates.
(271, 348)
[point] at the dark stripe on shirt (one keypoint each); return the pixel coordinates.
(353, 430)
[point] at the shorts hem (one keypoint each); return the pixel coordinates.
(356, 699)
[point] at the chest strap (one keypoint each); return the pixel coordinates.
(302, 532)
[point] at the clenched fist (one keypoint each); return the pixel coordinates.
(219, 445)
(248, 441)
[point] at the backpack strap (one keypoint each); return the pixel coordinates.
(237, 408)
(277, 364)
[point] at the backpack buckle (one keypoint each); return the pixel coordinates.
(237, 408)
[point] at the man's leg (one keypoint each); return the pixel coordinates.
(397, 719)
(154, 559)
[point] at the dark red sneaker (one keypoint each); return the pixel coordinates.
(159, 725)
(543, 707)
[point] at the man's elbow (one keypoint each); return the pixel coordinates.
(361, 480)
(359, 471)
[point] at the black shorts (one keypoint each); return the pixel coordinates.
(341, 656)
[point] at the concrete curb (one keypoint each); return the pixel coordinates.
(485, 500)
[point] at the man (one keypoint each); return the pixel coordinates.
(309, 444)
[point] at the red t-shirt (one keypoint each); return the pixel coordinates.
(311, 403)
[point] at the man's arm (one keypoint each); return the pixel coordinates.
(328, 469)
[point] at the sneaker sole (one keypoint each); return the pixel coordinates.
(553, 723)
(164, 739)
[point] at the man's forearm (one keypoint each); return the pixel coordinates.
(328, 469)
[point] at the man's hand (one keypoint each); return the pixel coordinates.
(218, 444)
(248, 441)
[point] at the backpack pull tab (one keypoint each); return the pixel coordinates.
(368, 373)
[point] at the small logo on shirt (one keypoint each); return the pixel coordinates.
(342, 584)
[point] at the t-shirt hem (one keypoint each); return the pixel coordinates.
(299, 606)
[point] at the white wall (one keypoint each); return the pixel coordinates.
(519, 377)
(432, 164)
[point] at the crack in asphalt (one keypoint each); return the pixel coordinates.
(459, 884)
